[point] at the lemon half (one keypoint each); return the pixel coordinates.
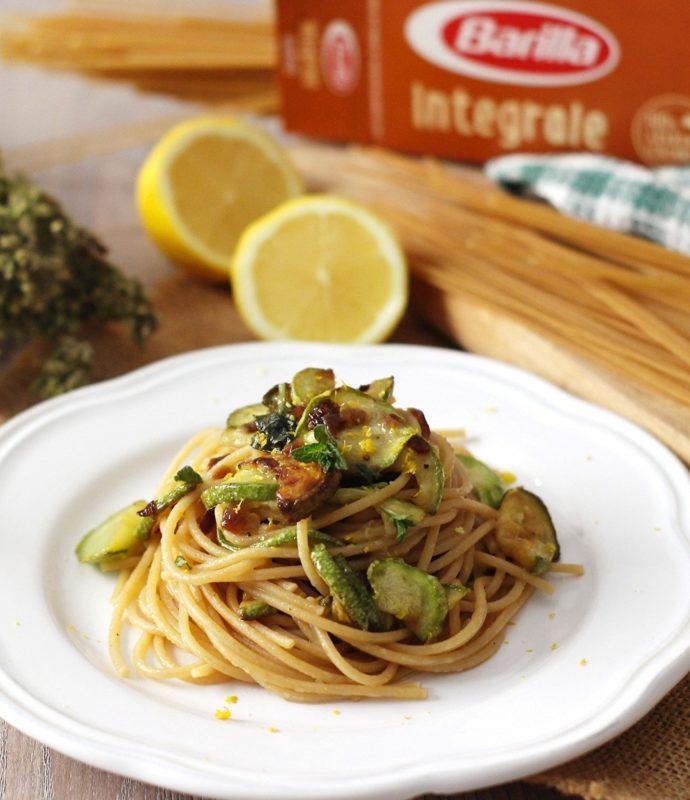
(203, 182)
(320, 268)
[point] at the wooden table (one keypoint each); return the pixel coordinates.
(41, 108)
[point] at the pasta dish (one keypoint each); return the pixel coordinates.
(324, 544)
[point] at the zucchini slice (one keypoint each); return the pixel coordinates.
(349, 494)
(245, 415)
(255, 609)
(234, 491)
(296, 487)
(486, 483)
(309, 382)
(116, 535)
(348, 589)
(240, 426)
(380, 389)
(421, 459)
(416, 598)
(525, 531)
(288, 536)
(249, 482)
(455, 593)
(367, 431)
(186, 480)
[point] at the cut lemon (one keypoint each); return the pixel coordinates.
(320, 268)
(204, 182)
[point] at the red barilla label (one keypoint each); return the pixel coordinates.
(519, 43)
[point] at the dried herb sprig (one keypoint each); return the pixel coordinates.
(54, 279)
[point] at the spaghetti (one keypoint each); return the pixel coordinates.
(225, 56)
(616, 302)
(325, 544)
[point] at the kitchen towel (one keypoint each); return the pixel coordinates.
(610, 192)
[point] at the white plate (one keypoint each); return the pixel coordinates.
(578, 667)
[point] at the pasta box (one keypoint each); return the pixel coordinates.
(474, 79)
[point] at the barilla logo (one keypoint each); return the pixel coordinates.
(511, 41)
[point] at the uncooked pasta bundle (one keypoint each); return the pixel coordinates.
(220, 54)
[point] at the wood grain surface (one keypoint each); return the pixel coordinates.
(31, 771)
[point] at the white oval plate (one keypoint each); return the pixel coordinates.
(577, 669)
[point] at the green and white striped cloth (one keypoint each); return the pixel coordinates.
(616, 194)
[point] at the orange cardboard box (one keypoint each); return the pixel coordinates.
(474, 79)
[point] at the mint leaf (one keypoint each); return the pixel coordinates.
(324, 451)
(274, 430)
(188, 475)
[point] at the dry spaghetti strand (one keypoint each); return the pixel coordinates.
(214, 58)
(616, 303)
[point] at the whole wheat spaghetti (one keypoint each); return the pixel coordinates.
(217, 55)
(610, 302)
(325, 544)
